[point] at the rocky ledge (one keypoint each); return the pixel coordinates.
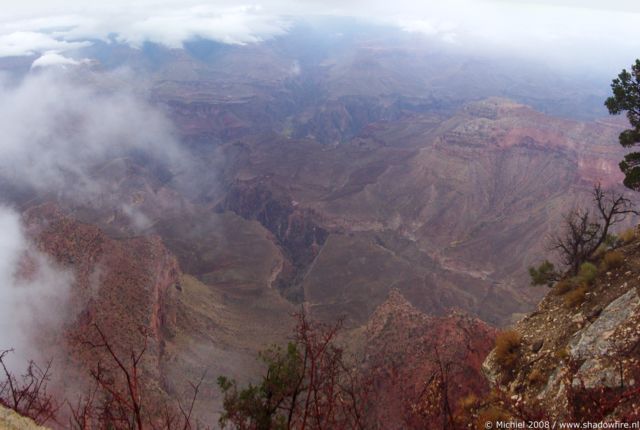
(578, 354)
(9, 420)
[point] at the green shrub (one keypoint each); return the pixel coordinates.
(587, 273)
(612, 260)
(544, 274)
(599, 252)
(611, 240)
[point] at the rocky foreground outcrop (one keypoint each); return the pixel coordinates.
(9, 420)
(423, 362)
(579, 355)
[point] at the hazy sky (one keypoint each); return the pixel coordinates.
(589, 33)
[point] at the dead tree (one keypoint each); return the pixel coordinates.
(613, 208)
(433, 403)
(117, 399)
(124, 399)
(577, 242)
(81, 414)
(584, 232)
(28, 395)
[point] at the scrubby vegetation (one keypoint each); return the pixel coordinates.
(584, 237)
(628, 235)
(564, 286)
(544, 274)
(507, 350)
(118, 400)
(308, 384)
(612, 260)
(28, 394)
(588, 273)
(574, 289)
(586, 247)
(575, 296)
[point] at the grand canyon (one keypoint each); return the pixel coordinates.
(347, 170)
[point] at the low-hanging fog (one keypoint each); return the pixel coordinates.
(33, 291)
(55, 132)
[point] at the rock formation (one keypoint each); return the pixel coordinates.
(579, 360)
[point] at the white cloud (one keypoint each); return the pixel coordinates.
(56, 131)
(588, 33)
(445, 31)
(139, 221)
(167, 23)
(21, 43)
(590, 36)
(238, 25)
(33, 291)
(49, 59)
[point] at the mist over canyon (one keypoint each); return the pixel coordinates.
(208, 184)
